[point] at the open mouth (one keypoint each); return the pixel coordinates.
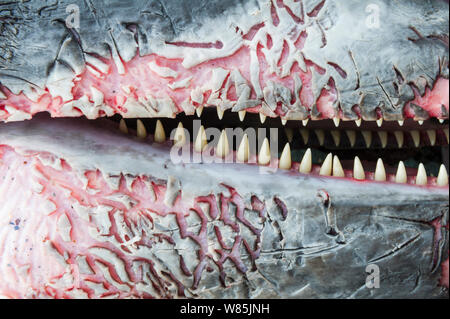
(181, 162)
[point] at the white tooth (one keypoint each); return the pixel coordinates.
(442, 179)
(446, 133)
(305, 122)
(223, 147)
(416, 137)
(380, 172)
(400, 176)
(320, 136)
(336, 121)
(199, 111)
(358, 122)
(431, 137)
(401, 122)
(289, 134)
(383, 135)
(285, 158)
(160, 135)
(441, 121)
(326, 168)
(264, 153)
(200, 141)
(242, 115)
(243, 152)
(262, 118)
(421, 178)
(338, 171)
(420, 122)
(358, 169)
(380, 122)
(306, 163)
(336, 135)
(141, 130)
(305, 135)
(220, 113)
(283, 121)
(400, 137)
(367, 135)
(351, 137)
(123, 126)
(179, 138)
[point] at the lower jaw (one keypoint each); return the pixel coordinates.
(92, 213)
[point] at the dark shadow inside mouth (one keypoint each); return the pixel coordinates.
(431, 156)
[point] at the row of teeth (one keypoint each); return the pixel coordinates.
(367, 136)
(330, 167)
(336, 120)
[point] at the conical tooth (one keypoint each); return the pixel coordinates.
(358, 122)
(400, 176)
(285, 158)
(420, 122)
(200, 141)
(400, 137)
(358, 169)
(123, 126)
(179, 138)
(326, 168)
(262, 118)
(289, 134)
(283, 121)
(367, 135)
(383, 135)
(305, 122)
(305, 135)
(160, 135)
(338, 171)
(446, 133)
(442, 179)
(351, 137)
(416, 137)
(199, 111)
(220, 113)
(421, 178)
(223, 147)
(242, 115)
(380, 122)
(320, 136)
(141, 130)
(264, 153)
(336, 135)
(306, 163)
(441, 121)
(380, 172)
(401, 122)
(431, 137)
(243, 151)
(336, 121)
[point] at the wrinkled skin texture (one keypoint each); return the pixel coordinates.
(114, 217)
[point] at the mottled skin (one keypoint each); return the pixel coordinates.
(317, 235)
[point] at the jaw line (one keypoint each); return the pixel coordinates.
(88, 145)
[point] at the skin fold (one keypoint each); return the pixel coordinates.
(89, 212)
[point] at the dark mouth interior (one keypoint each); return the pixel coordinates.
(431, 156)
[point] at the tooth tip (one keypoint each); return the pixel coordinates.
(338, 171)
(421, 178)
(358, 122)
(242, 115)
(326, 168)
(305, 122)
(380, 122)
(400, 176)
(442, 179)
(358, 170)
(262, 118)
(223, 147)
(140, 129)
(123, 126)
(264, 153)
(306, 163)
(285, 158)
(380, 172)
(336, 121)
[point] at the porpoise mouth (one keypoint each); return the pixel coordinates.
(194, 151)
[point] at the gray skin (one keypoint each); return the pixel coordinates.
(313, 245)
(391, 230)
